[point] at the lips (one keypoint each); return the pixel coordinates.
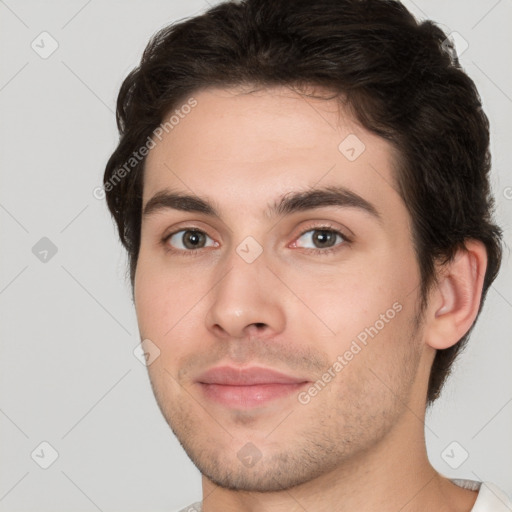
(247, 387)
(231, 376)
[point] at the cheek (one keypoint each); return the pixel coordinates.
(164, 298)
(378, 361)
(171, 308)
(347, 301)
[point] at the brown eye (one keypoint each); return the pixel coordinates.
(324, 238)
(189, 239)
(321, 238)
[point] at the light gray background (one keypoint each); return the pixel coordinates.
(68, 329)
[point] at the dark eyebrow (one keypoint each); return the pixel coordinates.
(289, 203)
(165, 200)
(322, 197)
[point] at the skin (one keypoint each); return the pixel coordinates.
(358, 444)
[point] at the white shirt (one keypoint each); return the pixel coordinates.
(490, 498)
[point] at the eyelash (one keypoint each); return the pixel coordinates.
(329, 250)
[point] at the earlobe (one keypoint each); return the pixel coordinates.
(456, 299)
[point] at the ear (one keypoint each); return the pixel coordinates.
(454, 304)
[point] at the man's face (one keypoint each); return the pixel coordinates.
(281, 289)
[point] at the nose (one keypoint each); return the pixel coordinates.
(248, 300)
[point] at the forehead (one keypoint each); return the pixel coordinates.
(244, 148)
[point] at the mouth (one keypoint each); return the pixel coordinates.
(245, 388)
